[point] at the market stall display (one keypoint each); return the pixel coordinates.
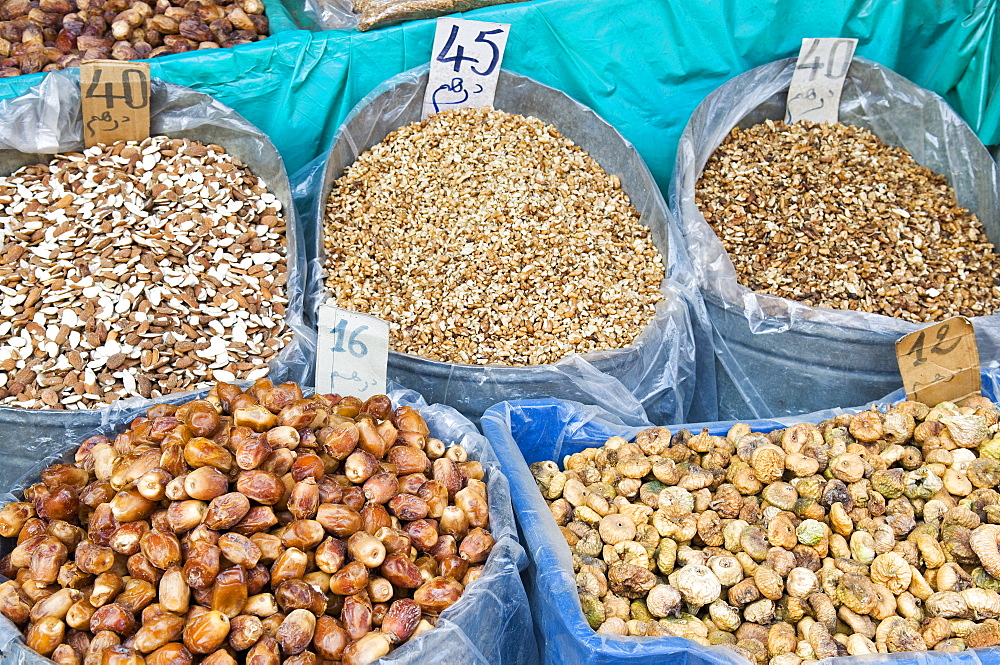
(267, 525)
(48, 35)
(724, 563)
(139, 270)
(582, 194)
(518, 251)
(827, 355)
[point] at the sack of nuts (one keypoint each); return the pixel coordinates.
(137, 270)
(542, 253)
(862, 531)
(819, 245)
(267, 526)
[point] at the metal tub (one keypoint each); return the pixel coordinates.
(658, 370)
(776, 357)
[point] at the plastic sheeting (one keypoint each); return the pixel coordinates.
(528, 431)
(47, 120)
(656, 373)
(642, 66)
(778, 356)
(490, 625)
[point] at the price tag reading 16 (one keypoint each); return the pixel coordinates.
(352, 353)
(465, 64)
(115, 100)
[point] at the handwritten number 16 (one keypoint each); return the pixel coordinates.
(355, 346)
(939, 348)
(460, 56)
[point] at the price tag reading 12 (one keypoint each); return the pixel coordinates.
(940, 362)
(352, 353)
(115, 101)
(465, 64)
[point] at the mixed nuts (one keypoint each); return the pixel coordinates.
(260, 525)
(137, 269)
(830, 216)
(876, 532)
(488, 237)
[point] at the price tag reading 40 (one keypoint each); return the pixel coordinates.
(940, 362)
(465, 64)
(352, 353)
(115, 100)
(818, 79)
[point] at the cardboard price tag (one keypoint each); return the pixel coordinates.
(115, 99)
(352, 353)
(465, 64)
(940, 362)
(818, 79)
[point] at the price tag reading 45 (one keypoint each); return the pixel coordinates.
(940, 362)
(115, 100)
(352, 353)
(465, 64)
(818, 79)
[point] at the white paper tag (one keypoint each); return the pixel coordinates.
(818, 79)
(352, 353)
(465, 64)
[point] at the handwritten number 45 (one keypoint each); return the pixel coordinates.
(460, 56)
(939, 348)
(355, 346)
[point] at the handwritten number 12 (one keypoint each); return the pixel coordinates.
(460, 56)
(355, 346)
(917, 349)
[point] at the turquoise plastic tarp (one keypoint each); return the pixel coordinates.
(643, 66)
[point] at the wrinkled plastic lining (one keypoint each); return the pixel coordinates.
(826, 354)
(47, 120)
(654, 377)
(341, 14)
(490, 625)
(279, 17)
(528, 431)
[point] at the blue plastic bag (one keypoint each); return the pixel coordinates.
(489, 625)
(528, 431)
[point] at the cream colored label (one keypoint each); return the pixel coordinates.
(352, 353)
(940, 362)
(115, 98)
(465, 64)
(818, 79)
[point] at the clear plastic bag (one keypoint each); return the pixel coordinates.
(368, 14)
(654, 377)
(47, 120)
(527, 431)
(780, 357)
(491, 623)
